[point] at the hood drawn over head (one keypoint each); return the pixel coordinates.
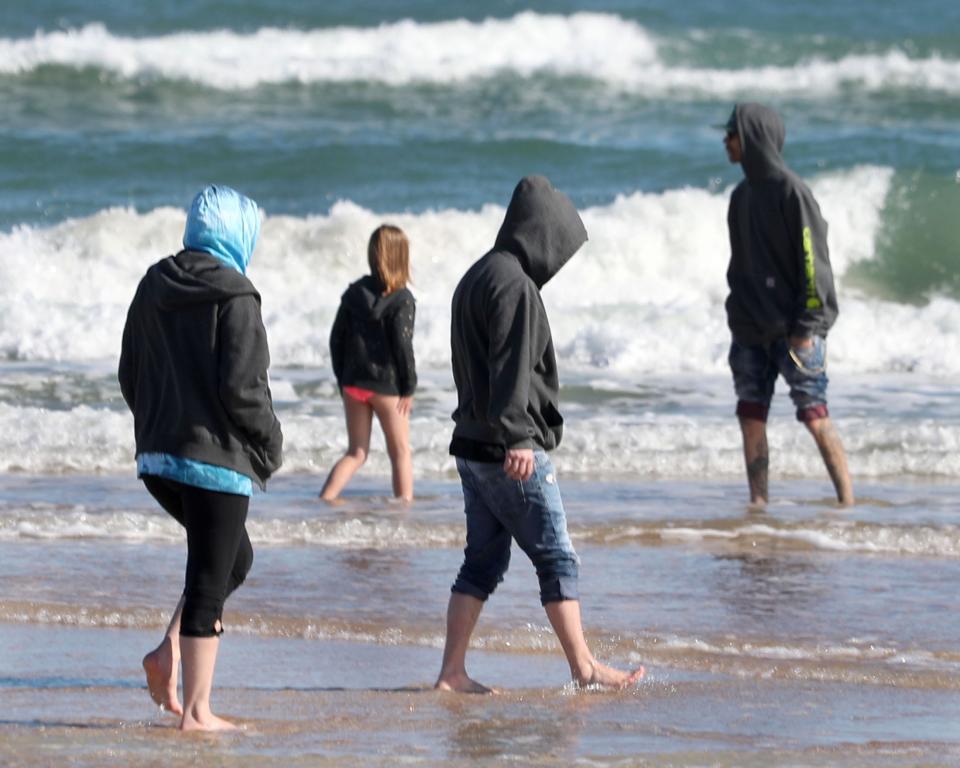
(541, 228)
(762, 134)
(223, 223)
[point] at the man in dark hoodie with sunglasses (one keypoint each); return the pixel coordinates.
(507, 418)
(782, 299)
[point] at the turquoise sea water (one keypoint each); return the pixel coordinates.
(803, 636)
(142, 106)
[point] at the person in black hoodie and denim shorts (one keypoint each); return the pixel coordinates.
(507, 418)
(782, 298)
(193, 370)
(371, 348)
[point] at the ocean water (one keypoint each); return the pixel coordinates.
(802, 636)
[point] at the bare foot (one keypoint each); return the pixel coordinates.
(209, 722)
(608, 677)
(161, 667)
(461, 683)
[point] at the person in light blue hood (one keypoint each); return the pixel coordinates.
(193, 370)
(225, 224)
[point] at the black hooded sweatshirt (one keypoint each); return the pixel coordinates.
(371, 342)
(504, 364)
(193, 367)
(780, 279)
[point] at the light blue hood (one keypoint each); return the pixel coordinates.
(223, 223)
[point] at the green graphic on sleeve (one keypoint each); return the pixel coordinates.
(813, 301)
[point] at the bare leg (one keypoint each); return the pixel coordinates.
(396, 433)
(359, 421)
(831, 449)
(564, 617)
(199, 661)
(462, 614)
(757, 458)
(161, 666)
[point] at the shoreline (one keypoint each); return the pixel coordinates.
(334, 715)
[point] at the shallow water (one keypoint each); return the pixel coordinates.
(805, 635)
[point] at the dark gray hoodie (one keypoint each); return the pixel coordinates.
(504, 364)
(371, 342)
(193, 367)
(780, 279)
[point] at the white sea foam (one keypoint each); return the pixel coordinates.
(312, 530)
(155, 526)
(643, 299)
(621, 440)
(851, 651)
(602, 47)
(747, 649)
(834, 536)
(644, 296)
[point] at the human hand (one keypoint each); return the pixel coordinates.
(800, 342)
(405, 405)
(518, 463)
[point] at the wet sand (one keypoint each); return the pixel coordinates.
(311, 703)
(805, 635)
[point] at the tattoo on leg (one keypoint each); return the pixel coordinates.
(758, 471)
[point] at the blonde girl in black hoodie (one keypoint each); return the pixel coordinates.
(371, 348)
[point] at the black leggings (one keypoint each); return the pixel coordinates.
(219, 554)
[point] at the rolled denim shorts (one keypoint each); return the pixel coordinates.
(755, 370)
(499, 510)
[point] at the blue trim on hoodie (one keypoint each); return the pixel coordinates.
(225, 224)
(194, 473)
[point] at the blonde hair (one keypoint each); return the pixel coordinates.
(388, 253)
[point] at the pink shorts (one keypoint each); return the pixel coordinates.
(359, 394)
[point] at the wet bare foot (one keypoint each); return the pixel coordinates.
(161, 667)
(608, 677)
(461, 683)
(209, 722)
